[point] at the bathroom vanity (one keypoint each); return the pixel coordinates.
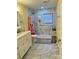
(24, 42)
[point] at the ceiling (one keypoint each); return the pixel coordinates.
(37, 4)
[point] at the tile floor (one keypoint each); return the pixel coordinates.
(42, 51)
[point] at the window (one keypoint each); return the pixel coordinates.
(47, 18)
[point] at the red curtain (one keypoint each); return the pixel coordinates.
(31, 26)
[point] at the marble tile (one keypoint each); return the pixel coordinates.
(43, 51)
(33, 57)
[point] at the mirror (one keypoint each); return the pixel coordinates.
(18, 23)
(18, 19)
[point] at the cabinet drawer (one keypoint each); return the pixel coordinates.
(22, 41)
(18, 55)
(23, 49)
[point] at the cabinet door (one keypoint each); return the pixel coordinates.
(21, 51)
(20, 45)
(24, 44)
(18, 55)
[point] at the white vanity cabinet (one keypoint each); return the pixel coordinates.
(24, 42)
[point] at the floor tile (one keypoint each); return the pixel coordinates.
(42, 51)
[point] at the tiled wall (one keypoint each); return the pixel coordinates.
(42, 28)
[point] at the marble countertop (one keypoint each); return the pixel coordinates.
(19, 35)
